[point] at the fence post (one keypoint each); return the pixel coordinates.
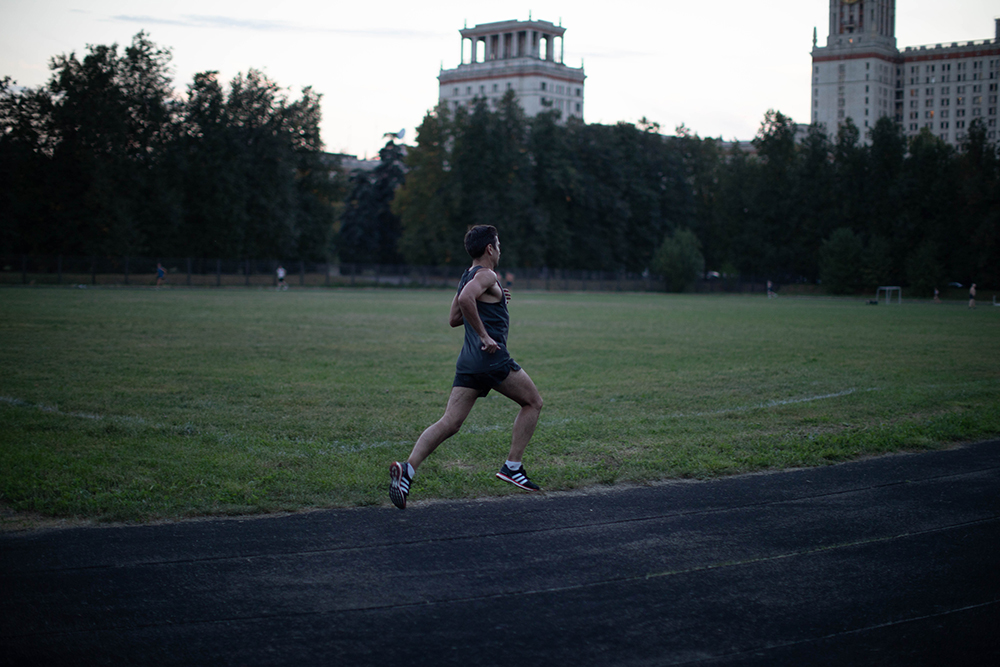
(126, 269)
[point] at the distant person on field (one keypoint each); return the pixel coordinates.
(770, 290)
(161, 274)
(282, 285)
(937, 295)
(972, 296)
(483, 364)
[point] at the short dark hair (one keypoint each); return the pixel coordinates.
(478, 238)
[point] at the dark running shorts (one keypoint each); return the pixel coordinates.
(485, 381)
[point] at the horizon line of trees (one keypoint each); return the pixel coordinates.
(107, 160)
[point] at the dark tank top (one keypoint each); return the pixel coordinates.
(472, 359)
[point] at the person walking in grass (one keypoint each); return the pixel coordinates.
(483, 364)
(972, 296)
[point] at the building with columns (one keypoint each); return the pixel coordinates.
(862, 75)
(523, 56)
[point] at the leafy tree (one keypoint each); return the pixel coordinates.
(976, 227)
(679, 260)
(923, 269)
(370, 231)
(840, 261)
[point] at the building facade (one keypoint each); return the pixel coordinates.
(519, 56)
(862, 75)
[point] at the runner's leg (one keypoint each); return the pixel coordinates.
(519, 388)
(459, 405)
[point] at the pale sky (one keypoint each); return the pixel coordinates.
(716, 66)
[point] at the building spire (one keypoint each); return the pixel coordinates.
(814, 37)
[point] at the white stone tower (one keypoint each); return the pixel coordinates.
(519, 56)
(856, 74)
(862, 75)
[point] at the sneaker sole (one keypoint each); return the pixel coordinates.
(396, 494)
(515, 483)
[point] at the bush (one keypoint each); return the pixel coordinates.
(679, 260)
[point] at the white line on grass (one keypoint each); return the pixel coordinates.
(772, 404)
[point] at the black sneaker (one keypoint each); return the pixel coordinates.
(399, 484)
(518, 478)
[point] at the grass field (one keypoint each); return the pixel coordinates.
(140, 404)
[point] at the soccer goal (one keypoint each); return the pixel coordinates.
(889, 291)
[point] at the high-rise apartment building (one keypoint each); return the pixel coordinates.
(862, 75)
(519, 56)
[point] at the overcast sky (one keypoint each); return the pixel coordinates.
(716, 66)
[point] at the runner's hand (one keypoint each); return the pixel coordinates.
(489, 345)
(506, 295)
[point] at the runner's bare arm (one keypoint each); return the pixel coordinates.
(455, 318)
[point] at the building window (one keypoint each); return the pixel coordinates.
(959, 113)
(959, 101)
(468, 90)
(928, 103)
(456, 92)
(944, 114)
(928, 114)
(945, 102)
(960, 90)
(579, 93)
(578, 107)
(543, 85)
(959, 124)
(913, 104)
(913, 92)
(944, 125)
(494, 87)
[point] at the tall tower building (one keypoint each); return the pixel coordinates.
(515, 55)
(855, 74)
(862, 75)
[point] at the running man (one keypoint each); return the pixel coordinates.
(483, 364)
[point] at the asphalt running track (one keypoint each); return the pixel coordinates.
(888, 561)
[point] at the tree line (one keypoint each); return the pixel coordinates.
(108, 159)
(845, 212)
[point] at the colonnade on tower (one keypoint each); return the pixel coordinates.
(511, 39)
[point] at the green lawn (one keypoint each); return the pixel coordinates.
(138, 404)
